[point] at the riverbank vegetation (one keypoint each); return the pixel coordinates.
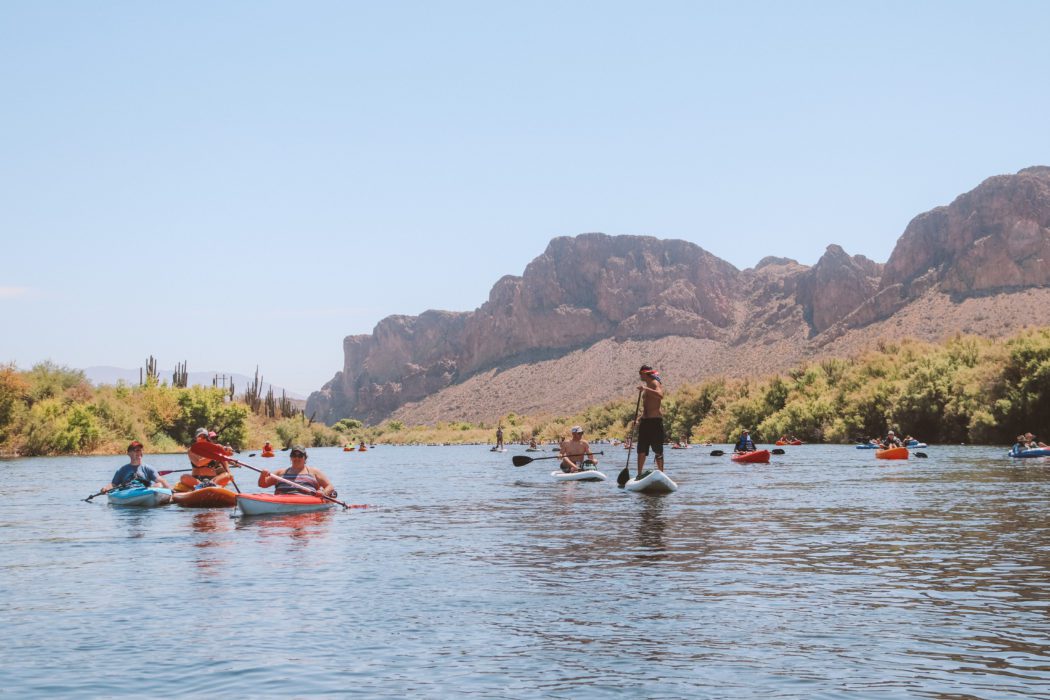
(966, 390)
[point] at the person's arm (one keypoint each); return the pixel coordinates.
(324, 482)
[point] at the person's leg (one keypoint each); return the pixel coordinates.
(641, 462)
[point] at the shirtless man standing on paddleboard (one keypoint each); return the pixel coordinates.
(651, 426)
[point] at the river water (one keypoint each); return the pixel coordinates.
(824, 574)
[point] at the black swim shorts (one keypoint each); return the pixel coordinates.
(651, 434)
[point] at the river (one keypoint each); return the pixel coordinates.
(824, 574)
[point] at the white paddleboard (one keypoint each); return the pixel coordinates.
(652, 482)
(586, 475)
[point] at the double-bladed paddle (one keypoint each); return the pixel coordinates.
(624, 476)
(522, 460)
(213, 451)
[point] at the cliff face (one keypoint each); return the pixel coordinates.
(593, 289)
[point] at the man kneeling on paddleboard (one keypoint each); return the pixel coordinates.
(576, 453)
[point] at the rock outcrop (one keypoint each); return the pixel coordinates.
(591, 290)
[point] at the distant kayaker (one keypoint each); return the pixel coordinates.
(267, 447)
(135, 470)
(313, 479)
(206, 471)
(499, 437)
(745, 443)
(891, 441)
(651, 425)
(575, 452)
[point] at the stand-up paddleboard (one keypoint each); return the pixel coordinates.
(585, 475)
(652, 482)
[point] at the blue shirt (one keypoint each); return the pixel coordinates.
(145, 474)
(744, 444)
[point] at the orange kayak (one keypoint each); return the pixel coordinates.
(755, 457)
(267, 454)
(892, 453)
(208, 497)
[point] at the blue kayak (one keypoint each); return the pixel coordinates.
(915, 443)
(140, 497)
(867, 447)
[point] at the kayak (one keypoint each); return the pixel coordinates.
(756, 457)
(585, 475)
(140, 497)
(497, 449)
(207, 497)
(892, 453)
(781, 443)
(915, 443)
(868, 446)
(348, 449)
(365, 449)
(267, 454)
(653, 483)
(271, 504)
(533, 449)
(1034, 452)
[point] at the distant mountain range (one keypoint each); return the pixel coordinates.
(573, 329)
(111, 375)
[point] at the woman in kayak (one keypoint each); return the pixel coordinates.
(135, 470)
(310, 478)
(206, 471)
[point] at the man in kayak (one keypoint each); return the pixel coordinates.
(891, 441)
(745, 443)
(576, 452)
(651, 425)
(135, 470)
(312, 479)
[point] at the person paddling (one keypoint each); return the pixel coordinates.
(313, 479)
(135, 470)
(745, 443)
(891, 441)
(651, 425)
(575, 452)
(206, 471)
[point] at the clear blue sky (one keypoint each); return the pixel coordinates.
(243, 183)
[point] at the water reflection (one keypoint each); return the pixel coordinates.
(652, 527)
(295, 526)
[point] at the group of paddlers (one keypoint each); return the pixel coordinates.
(209, 468)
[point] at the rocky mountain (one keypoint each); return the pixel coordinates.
(572, 329)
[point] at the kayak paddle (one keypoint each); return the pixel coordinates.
(107, 490)
(717, 453)
(522, 460)
(624, 476)
(777, 451)
(213, 451)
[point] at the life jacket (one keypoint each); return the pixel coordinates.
(204, 466)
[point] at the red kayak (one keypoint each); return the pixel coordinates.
(756, 457)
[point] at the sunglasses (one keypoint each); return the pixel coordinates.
(298, 454)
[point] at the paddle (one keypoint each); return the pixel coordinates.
(107, 490)
(213, 451)
(624, 476)
(717, 453)
(522, 460)
(179, 471)
(777, 451)
(920, 455)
